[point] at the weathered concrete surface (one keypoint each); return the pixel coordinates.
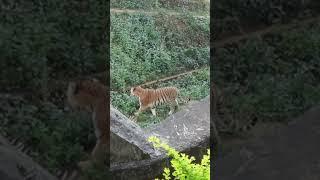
(139, 170)
(292, 153)
(15, 165)
(187, 130)
(128, 140)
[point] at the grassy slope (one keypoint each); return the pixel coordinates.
(41, 43)
(200, 7)
(145, 48)
(195, 86)
(275, 79)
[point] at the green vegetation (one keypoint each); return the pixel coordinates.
(57, 139)
(42, 42)
(183, 165)
(269, 12)
(275, 77)
(198, 6)
(132, 4)
(145, 48)
(42, 47)
(237, 17)
(195, 86)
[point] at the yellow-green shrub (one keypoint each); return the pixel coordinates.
(183, 165)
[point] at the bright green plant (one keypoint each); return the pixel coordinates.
(183, 165)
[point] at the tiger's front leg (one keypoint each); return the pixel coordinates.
(141, 109)
(173, 105)
(153, 111)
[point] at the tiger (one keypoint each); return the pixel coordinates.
(91, 95)
(150, 98)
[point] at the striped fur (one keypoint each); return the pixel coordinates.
(91, 95)
(150, 98)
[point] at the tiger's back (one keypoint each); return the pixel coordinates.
(150, 98)
(155, 97)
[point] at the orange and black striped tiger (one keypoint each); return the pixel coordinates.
(91, 95)
(150, 98)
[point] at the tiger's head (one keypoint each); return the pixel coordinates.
(82, 93)
(136, 91)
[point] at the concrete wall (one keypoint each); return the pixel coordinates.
(187, 130)
(15, 165)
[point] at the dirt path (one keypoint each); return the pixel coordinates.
(260, 32)
(165, 79)
(171, 77)
(134, 11)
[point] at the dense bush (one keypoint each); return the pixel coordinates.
(57, 139)
(261, 10)
(235, 17)
(183, 166)
(275, 79)
(133, 4)
(43, 41)
(52, 39)
(141, 48)
(200, 6)
(145, 48)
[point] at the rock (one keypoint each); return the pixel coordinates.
(15, 165)
(187, 130)
(128, 140)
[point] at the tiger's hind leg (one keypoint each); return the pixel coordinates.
(177, 104)
(173, 105)
(153, 111)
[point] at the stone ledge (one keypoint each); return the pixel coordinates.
(13, 165)
(187, 130)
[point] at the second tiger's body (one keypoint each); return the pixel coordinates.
(150, 98)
